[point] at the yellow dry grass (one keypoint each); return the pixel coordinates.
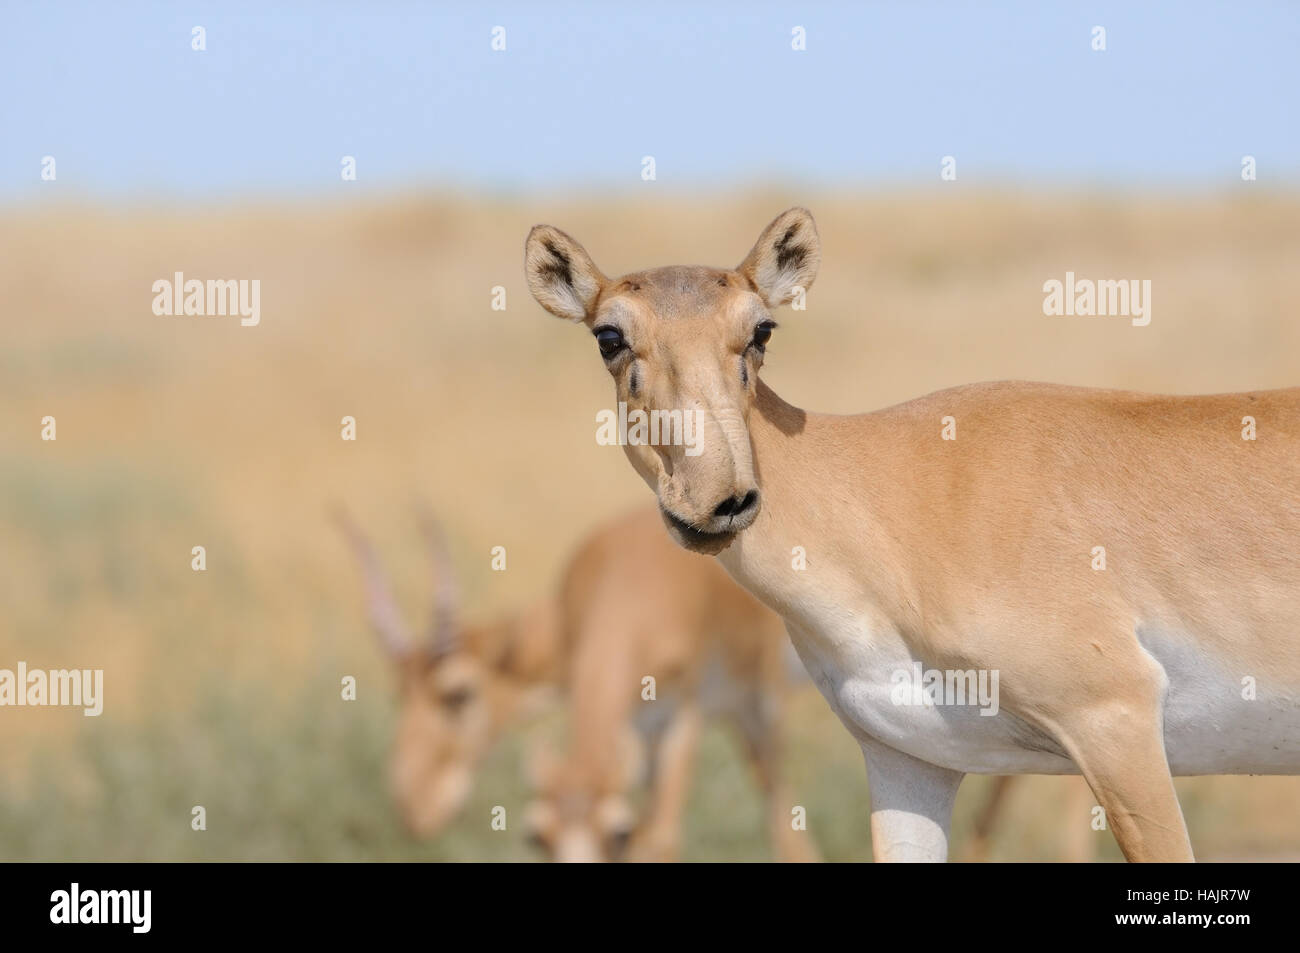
(175, 432)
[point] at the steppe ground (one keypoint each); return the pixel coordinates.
(222, 687)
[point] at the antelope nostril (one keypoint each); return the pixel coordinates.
(735, 505)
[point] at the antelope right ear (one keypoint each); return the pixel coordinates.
(561, 275)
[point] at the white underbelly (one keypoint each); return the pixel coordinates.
(861, 680)
(1221, 721)
(1209, 727)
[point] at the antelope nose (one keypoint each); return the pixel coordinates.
(737, 505)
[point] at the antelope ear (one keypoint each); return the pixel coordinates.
(561, 275)
(785, 257)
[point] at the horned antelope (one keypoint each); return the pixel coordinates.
(631, 605)
(460, 685)
(1181, 656)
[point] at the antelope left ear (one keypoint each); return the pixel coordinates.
(785, 257)
(561, 275)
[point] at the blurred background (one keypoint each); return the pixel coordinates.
(222, 686)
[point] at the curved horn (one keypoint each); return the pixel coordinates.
(382, 608)
(444, 628)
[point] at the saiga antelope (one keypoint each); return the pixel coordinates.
(631, 604)
(975, 554)
(460, 685)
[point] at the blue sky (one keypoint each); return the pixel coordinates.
(583, 91)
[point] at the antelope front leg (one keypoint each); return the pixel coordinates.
(1109, 719)
(1120, 750)
(911, 805)
(659, 836)
(759, 722)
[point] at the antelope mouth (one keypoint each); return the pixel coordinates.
(697, 540)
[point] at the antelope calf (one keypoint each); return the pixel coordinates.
(631, 606)
(977, 553)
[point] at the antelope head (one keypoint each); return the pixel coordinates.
(452, 703)
(687, 341)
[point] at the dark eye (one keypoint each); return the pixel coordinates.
(456, 698)
(610, 341)
(763, 334)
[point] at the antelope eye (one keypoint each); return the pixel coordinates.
(457, 698)
(610, 341)
(763, 334)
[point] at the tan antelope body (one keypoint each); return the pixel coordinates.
(1181, 655)
(631, 605)
(637, 607)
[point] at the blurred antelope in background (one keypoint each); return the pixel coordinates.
(636, 608)
(460, 685)
(630, 605)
